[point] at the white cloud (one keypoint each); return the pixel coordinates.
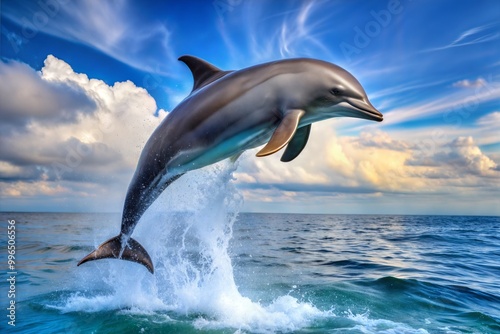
(290, 32)
(42, 188)
(452, 106)
(490, 120)
(97, 147)
(479, 82)
(382, 140)
(92, 157)
(26, 98)
(372, 165)
(475, 35)
(299, 30)
(465, 154)
(111, 27)
(407, 86)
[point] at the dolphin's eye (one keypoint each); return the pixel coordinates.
(335, 91)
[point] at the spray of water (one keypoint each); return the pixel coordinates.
(187, 233)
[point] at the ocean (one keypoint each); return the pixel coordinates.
(218, 270)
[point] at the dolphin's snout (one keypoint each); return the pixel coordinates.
(367, 109)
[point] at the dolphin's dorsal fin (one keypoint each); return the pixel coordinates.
(203, 72)
(283, 133)
(297, 144)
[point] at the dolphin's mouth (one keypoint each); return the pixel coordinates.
(367, 110)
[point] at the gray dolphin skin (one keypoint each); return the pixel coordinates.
(229, 112)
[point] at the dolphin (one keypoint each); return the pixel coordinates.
(226, 113)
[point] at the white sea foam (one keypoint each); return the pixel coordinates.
(365, 324)
(285, 314)
(187, 233)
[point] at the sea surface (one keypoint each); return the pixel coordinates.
(218, 270)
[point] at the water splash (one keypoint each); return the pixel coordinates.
(193, 268)
(187, 232)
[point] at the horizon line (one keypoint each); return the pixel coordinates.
(263, 212)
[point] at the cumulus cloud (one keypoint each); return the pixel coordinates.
(370, 165)
(88, 148)
(332, 164)
(26, 98)
(69, 134)
(466, 155)
(459, 158)
(382, 139)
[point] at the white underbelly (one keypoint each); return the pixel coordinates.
(204, 156)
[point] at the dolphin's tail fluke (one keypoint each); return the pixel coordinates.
(112, 249)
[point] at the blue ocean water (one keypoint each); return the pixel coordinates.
(219, 271)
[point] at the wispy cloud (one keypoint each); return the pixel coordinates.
(108, 26)
(490, 120)
(439, 105)
(479, 82)
(288, 33)
(297, 30)
(409, 86)
(476, 35)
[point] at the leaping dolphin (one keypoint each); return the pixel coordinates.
(226, 113)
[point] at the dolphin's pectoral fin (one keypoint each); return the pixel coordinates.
(111, 249)
(283, 133)
(203, 72)
(297, 144)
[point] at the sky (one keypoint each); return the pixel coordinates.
(83, 85)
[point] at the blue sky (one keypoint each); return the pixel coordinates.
(83, 85)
